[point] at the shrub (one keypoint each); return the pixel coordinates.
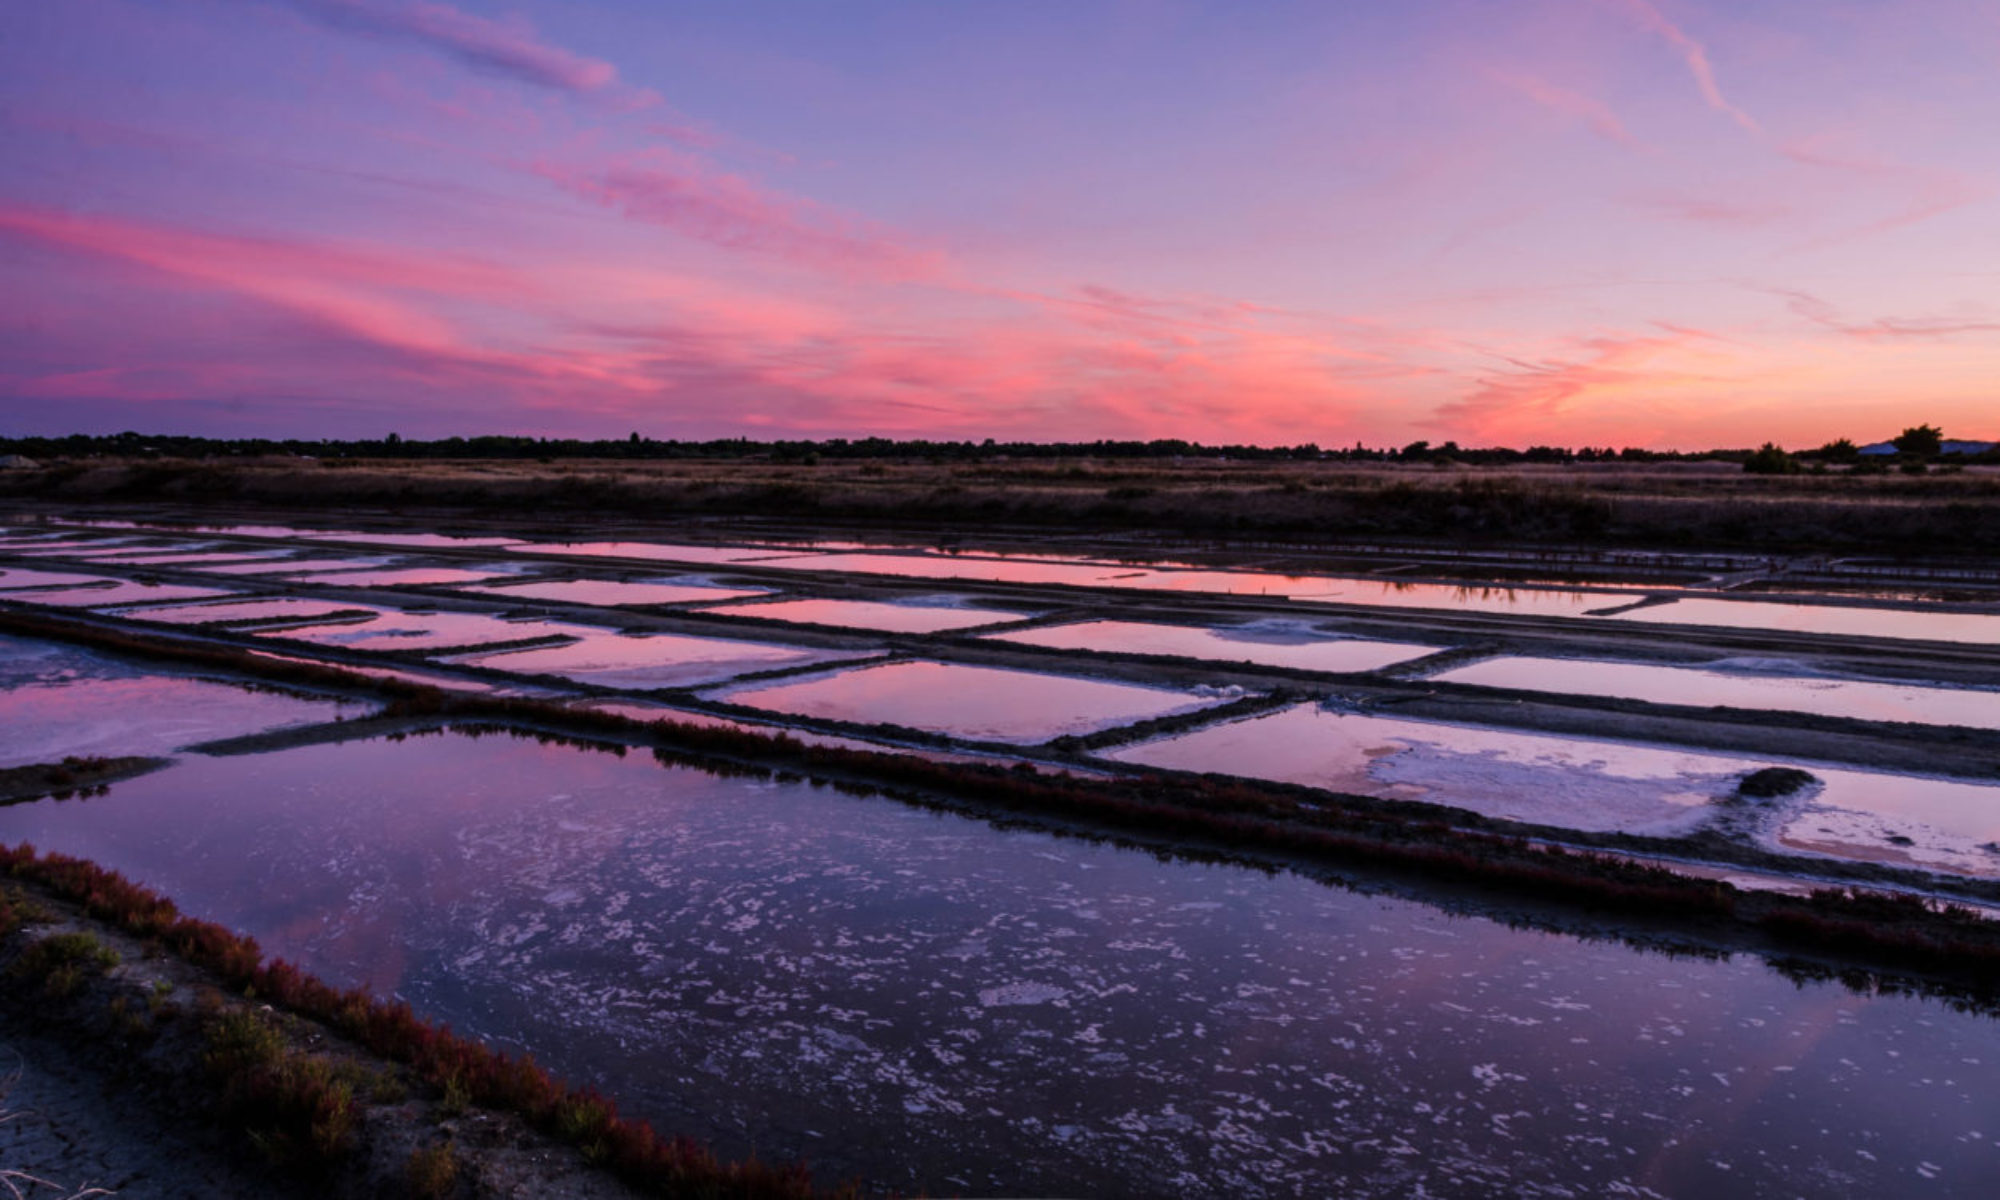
(432, 1172)
(1774, 781)
(62, 962)
(1771, 460)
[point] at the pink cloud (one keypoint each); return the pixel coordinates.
(1594, 113)
(1551, 401)
(352, 287)
(1821, 313)
(1927, 191)
(1721, 213)
(508, 48)
(1692, 52)
(326, 320)
(679, 192)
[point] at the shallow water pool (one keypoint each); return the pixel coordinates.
(934, 1004)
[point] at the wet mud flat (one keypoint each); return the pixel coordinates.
(745, 957)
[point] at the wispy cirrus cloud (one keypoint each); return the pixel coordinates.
(376, 325)
(509, 48)
(363, 292)
(1923, 192)
(1727, 214)
(691, 197)
(1595, 114)
(1826, 315)
(1545, 400)
(1692, 52)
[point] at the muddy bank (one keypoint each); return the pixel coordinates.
(72, 776)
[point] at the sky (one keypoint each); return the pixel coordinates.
(1676, 224)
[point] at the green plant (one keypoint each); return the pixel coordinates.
(62, 962)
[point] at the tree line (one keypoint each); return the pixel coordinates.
(131, 444)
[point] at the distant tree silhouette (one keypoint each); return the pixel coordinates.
(1771, 460)
(1923, 441)
(1841, 451)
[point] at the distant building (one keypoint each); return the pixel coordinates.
(17, 462)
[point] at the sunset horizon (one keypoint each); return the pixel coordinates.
(1667, 225)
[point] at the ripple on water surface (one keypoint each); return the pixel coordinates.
(936, 1004)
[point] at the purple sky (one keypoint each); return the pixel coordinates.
(1631, 222)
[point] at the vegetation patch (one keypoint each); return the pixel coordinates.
(62, 963)
(71, 778)
(1771, 782)
(1588, 496)
(301, 1108)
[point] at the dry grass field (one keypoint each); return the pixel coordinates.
(1706, 504)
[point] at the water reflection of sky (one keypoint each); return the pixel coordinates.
(656, 660)
(985, 703)
(1931, 625)
(612, 591)
(1293, 644)
(941, 1005)
(57, 701)
(1867, 700)
(874, 614)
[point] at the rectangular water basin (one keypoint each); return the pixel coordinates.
(394, 629)
(1480, 598)
(191, 558)
(929, 566)
(270, 608)
(397, 577)
(422, 540)
(612, 593)
(121, 592)
(87, 548)
(279, 565)
(1738, 687)
(14, 578)
(57, 700)
(946, 612)
(1572, 783)
(652, 551)
(1598, 785)
(1293, 644)
(663, 660)
(982, 703)
(1948, 825)
(1835, 620)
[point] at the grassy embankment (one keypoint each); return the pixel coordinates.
(1916, 940)
(299, 1100)
(1664, 505)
